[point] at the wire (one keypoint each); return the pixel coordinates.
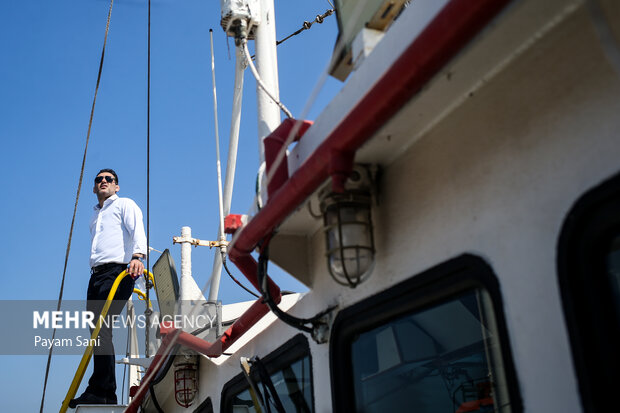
(154, 399)
(77, 198)
(268, 386)
(306, 25)
(311, 212)
(148, 310)
(259, 81)
(235, 280)
(298, 323)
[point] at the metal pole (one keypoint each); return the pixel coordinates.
(186, 264)
(134, 370)
(234, 130)
(230, 164)
(268, 111)
(217, 145)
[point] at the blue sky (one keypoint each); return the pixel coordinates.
(50, 55)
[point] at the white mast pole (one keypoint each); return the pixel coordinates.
(186, 266)
(268, 111)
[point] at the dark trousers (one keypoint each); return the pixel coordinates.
(103, 380)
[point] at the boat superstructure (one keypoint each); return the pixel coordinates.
(454, 214)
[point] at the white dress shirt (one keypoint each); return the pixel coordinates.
(116, 232)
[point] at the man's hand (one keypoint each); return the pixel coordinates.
(135, 268)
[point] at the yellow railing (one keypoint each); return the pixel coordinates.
(79, 374)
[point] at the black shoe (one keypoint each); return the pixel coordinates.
(88, 398)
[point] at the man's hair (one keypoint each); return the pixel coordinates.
(111, 171)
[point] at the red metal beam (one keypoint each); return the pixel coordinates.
(249, 318)
(273, 145)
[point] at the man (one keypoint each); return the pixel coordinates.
(118, 243)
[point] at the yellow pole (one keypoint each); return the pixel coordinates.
(79, 374)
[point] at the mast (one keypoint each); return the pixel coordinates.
(268, 112)
(257, 17)
(240, 65)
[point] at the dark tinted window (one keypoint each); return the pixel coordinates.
(589, 276)
(293, 385)
(442, 359)
(432, 344)
(290, 370)
(613, 272)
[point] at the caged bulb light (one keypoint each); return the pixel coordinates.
(185, 383)
(348, 232)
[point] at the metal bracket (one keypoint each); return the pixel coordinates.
(198, 242)
(142, 362)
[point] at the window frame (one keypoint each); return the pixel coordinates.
(433, 287)
(205, 407)
(588, 306)
(293, 350)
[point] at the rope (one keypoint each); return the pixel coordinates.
(148, 283)
(77, 198)
(259, 81)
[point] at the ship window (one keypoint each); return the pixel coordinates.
(290, 371)
(439, 347)
(589, 277)
(613, 272)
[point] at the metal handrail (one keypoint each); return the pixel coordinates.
(79, 373)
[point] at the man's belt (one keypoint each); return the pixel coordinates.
(105, 267)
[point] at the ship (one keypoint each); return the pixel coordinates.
(454, 212)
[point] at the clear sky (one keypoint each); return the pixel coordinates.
(50, 53)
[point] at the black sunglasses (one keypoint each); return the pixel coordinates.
(108, 179)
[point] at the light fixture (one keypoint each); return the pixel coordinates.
(347, 224)
(185, 382)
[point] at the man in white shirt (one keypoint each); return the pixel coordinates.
(118, 244)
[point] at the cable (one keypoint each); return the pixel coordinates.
(154, 399)
(259, 81)
(268, 386)
(235, 280)
(298, 323)
(77, 198)
(320, 18)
